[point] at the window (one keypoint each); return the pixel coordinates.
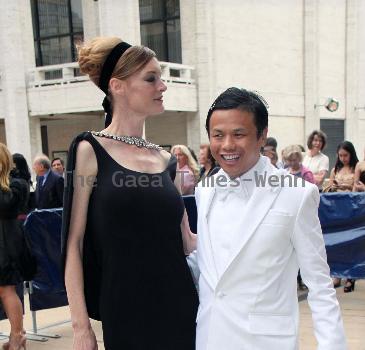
(57, 27)
(160, 28)
(334, 129)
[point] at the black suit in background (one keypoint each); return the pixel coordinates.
(50, 195)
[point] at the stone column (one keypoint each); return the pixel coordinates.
(311, 115)
(16, 40)
(205, 63)
(90, 18)
(120, 18)
(353, 53)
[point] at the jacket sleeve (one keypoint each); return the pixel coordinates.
(10, 199)
(311, 253)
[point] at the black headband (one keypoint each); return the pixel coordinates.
(109, 65)
(106, 73)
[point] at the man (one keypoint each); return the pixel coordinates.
(256, 227)
(58, 166)
(49, 191)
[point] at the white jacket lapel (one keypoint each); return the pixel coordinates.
(257, 207)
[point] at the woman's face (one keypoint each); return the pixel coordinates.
(182, 159)
(144, 90)
(317, 143)
(344, 156)
(293, 162)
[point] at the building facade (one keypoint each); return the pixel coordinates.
(295, 53)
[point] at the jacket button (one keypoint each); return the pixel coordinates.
(221, 295)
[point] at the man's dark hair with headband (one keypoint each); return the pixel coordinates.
(245, 100)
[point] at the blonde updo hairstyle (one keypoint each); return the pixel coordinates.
(92, 55)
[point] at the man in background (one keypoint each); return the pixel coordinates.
(49, 190)
(58, 166)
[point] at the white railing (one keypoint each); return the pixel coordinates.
(68, 73)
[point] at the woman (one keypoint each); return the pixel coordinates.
(124, 224)
(359, 177)
(187, 168)
(207, 162)
(13, 269)
(293, 159)
(342, 180)
(21, 171)
(343, 174)
(315, 160)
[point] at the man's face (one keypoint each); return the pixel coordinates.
(38, 168)
(57, 167)
(233, 140)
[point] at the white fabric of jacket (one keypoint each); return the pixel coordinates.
(253, 305)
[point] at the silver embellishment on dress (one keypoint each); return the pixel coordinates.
(130, 140)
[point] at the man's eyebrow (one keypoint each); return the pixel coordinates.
(239, 129)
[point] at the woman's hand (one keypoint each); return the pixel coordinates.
(85, 340)
(359, 186)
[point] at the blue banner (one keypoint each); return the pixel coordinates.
(43, 228)
(342, 217)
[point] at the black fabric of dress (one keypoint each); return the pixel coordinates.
(137, 281)
(16, 262)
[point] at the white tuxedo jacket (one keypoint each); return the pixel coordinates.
(253, 305)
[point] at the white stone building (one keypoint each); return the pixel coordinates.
(296, 53)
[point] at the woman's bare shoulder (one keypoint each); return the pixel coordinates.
(85, 158)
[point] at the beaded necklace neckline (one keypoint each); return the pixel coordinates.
(130, 140)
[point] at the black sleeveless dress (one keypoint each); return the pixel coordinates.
(137, 280)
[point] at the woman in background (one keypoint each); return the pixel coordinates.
(293, 159)
(343, 174)
(207, 162)
(315, 160)
(342, 179)
(13, 268)
(187, 168)
(21, 171)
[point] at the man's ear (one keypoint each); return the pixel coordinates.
(264, 137)
(117, 86)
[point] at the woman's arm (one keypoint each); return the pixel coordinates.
(319, 177)
(86, 167)
(189, 238)
(358, 185)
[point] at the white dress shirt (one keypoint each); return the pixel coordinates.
(237, 193)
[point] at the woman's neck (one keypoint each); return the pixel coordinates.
(313, 152)
(126, 123)
(294, 170)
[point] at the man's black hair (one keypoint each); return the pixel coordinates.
(245, 100)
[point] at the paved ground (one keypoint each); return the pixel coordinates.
(352, 305)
